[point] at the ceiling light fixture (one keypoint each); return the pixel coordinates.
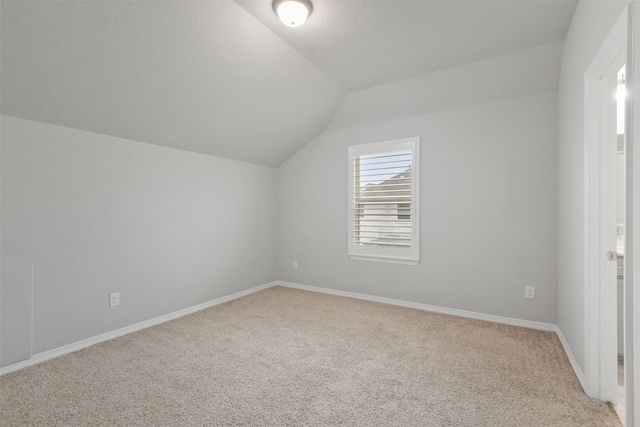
(292, 13)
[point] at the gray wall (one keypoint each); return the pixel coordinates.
(488, 210)
(93, 214)
(84, 215)
(590, 26)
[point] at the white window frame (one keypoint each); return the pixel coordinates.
(409, 255)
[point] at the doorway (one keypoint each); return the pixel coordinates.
(605, 319)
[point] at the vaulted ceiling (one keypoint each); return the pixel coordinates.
(227, 78)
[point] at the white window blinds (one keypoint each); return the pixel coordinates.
(383, 197)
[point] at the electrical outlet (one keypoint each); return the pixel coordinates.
(529, 292)
(114, 299)
(295, 265)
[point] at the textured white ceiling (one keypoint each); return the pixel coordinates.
(511, 75)
(227, 78)
(363, 43)
(199, 76)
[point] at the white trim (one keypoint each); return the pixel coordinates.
(632, 258)
(426, 307)
(32, 310)
(70, 348)
(408, 255)
(600, 361)
(453, 312)
(571, 357)
(389, 259)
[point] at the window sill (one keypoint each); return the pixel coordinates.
(384, 259)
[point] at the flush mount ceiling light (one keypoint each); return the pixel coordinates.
(292, 12)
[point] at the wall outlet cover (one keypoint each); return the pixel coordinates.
(529, 292)
(114, 299)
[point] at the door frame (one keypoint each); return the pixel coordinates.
(600, 364)
(632, 232)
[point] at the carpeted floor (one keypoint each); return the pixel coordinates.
(284, 357)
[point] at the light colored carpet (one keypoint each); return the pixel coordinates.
(284, 357)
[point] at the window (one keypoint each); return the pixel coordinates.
(383, 201)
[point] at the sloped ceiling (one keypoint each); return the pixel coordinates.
(515, 74)
(199, 76)
(227, 78)
(367, 43)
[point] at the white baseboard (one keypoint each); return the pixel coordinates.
(426, 307)
(455, 312)
(572, 359)
(50, 354)
(47, 355)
